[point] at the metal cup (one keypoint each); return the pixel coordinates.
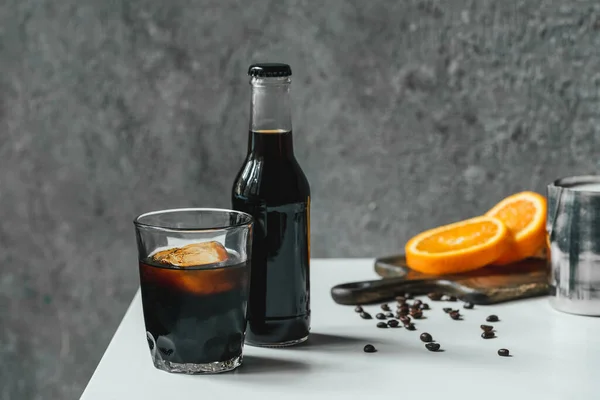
(573, 227)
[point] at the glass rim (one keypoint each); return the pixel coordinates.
(139, 224)
(569, 183)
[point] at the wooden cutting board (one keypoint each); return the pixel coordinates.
(489, 285)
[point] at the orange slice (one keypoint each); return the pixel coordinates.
(458, 247)
(524, 214)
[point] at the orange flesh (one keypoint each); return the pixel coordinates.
(523, 214)
(517, 215)
(459, 238)
(458, 247)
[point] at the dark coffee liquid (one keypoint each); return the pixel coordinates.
(273, 189)
(194, 314)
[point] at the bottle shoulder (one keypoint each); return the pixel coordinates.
(273, 181)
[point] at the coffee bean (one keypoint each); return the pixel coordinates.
(403, 307)
(365, 315)
(433, 296)
(488, 334)
(447, 310)
(405, 319)
(389, 315)
(381, 325)
(426, 337)
(393, 323)
(380, 316)
(416, 314)
(417, 303)
(401, 299)
(358, 309)
(432, 346)
(408, 295)
(410, 326)
(369, 348)
(424, 306)
(455, 315)
(385, 307)
(503, 352)
(487, 328)
(449, 298)
(492, 318)
(468, 306)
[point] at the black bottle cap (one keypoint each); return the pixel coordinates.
(269, 70)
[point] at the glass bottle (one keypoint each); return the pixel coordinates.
(273, 189)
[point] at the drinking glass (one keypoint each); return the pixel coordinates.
(194, 266)
(573, 227)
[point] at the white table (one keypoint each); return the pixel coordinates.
(556, 356)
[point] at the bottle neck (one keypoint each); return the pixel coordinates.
(270, 117)
(270, 105)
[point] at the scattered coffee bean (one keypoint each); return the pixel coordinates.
(358, 309)
(393, 323)
(487, 328)
(426, 337)
(408, 295)
(488, 334)
(389, 315)
(468, 306)
(455, 315)
(432, 346)
(385, 307)
(417, 303)
(492, 318)
(503, 352)
(424, 306)
(380, 316)
(401, 299)
(416, 313)
(410, 326)
(365, 315)
(381, 325)
(369, 348)
(403, 307)
(449, 298)
(405, 319)
(447, 310)
(433, 296)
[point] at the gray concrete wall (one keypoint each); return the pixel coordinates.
(407, 115)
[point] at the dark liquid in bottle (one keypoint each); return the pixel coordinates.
(194, 314)
(273, 189)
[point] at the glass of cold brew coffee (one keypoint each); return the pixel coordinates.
(194, 268)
